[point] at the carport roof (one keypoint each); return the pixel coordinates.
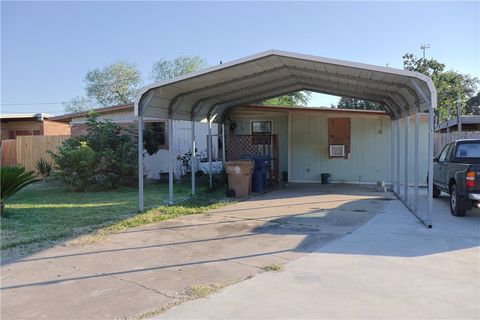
(214, 91)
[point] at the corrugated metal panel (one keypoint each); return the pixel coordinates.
(240, 74)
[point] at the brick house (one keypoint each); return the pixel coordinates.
(32, 124)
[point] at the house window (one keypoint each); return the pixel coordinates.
(158, 132)
(261, 132)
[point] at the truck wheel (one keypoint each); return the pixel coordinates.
(456, 202)
(436, 192)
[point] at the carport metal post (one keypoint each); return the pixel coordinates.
(433, 104)
(417, 147)
(405, 190)
(192, 160)
(398, 156)
(172, 161)
(223, 144)
(140, 164)
(209, 145)
(392, 160)
(459, 117)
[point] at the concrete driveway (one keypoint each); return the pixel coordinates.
(146, 269)
(390, 268)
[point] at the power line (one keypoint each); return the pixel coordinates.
(31, 104)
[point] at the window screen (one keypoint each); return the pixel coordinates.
(261, 132)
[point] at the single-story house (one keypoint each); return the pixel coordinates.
(351, 145)
(31, 124)
(157, 164)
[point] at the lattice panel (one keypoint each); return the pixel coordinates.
(247, 145)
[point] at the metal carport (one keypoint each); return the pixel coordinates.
(210, 94)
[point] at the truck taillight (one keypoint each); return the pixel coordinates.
(470, 179)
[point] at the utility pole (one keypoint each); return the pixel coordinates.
(424, 46)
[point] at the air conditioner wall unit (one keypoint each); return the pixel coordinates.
(337, 150)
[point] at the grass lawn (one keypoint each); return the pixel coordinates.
(42, 215)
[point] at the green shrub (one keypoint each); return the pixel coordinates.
(44, 168)
(12, 180)
(105, 158)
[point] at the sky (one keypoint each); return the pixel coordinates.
(48, 47)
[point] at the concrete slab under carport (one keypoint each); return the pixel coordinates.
(390, 268)
(145, 269)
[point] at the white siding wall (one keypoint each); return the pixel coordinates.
(370, 150)
(182, 143)
(370, 145)
(159, 162)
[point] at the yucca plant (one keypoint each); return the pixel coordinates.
(12, 180)
(44, 168)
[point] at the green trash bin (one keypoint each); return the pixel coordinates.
(325, 178)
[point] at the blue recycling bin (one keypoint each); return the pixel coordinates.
(260, 170)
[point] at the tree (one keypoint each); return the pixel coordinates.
(104, 158)
(300, 98)
(78, 104)
(473, 105)
(166, 69)
(350, 103)
(450, 84)
(117, 83)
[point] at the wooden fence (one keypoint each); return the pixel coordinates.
(441, 139)
(26, 150)
(9, 156)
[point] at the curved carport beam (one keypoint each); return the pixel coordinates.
(351, 78)
(176, 99)
(314, 86)
(391, 88)
(336, 91)
(290, 68)
(306, 86)
(266, 90)
(228, 105)
(257, 87)
(267, 94)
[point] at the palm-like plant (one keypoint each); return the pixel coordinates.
(44, 168)
(12, 180)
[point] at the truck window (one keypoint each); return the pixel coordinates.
(468, 150)
(444, 153)
(451, 152)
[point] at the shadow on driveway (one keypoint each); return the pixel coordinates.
(143, 269)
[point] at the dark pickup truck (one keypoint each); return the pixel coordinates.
(456, 171)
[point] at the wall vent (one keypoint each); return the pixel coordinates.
(337, 150)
